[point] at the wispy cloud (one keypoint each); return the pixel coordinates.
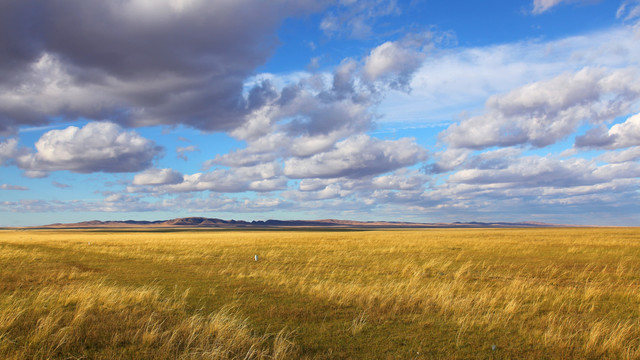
(182, 151)
(541, 6)
(60, 185)
(629, 10)
(357, 19)
(13, 187)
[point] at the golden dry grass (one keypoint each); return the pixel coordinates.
(460, 293)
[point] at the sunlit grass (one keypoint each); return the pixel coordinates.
(463, 293)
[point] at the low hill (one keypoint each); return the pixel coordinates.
(202, 222)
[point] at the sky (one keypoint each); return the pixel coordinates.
(420, 110)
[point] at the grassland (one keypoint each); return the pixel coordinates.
(397, 294)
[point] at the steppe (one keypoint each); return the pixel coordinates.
(320, 294)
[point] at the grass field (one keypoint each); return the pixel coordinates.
(396, 294)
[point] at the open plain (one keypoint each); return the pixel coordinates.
(396, 294)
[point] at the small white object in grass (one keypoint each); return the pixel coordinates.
(493, 347)
(255, 257)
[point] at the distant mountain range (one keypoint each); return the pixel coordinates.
(202, 222)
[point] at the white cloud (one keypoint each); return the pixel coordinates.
(622, 135)
(365, 190)
(98, 146)
(448, 160)
(631, 154)
(8, 150)
(306, 118)
(456, 159)
(532, 171)
(157, 177)
(540, 6)
(401, 180)
(266, 185)
(537, 171)
(617, 171)
(357, 156)
(545, 112)
(396, 61)
(452, 79)
(328, 191)
(557, 201)
(261, 178)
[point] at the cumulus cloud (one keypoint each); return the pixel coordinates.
(364, 190)
(539, 171)
(136, 62)
(396, 61)
(586, 204)
(98, 146)
(448, 160)
(457, 78)
(545, 112)
(219, 203)
(302, 118)
(299, 120)
(357, 156)
(401, 180)
(309, 113)
(531, 171)
(319, 116)
(595, 137)
(631, 154)
(547, 188)
(157, 177)
(309, 108)
(622, 135)
(457, 159)
(8, 150)
(260, 178)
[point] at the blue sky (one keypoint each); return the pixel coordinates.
(425, 111)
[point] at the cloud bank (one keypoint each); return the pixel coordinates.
(135, 62)
(545, 112)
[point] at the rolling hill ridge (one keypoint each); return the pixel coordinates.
(203, 222)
